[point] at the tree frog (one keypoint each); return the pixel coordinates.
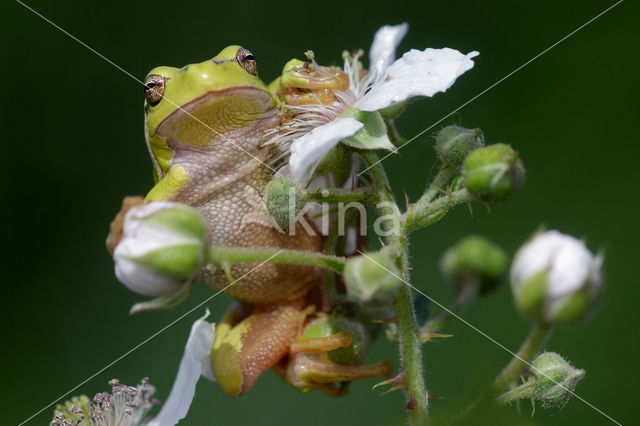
(206, 127)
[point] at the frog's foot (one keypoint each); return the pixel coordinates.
(309, 83)
(317, 371)
(247, 345)
(309, 366)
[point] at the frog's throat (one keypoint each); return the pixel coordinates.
(207, 119)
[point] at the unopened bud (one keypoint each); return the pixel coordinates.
(284, 200)
(493, 173)
(555, 278)
(555, 379)
(162, 247)
(476, 261)
(372, 278)
(454, 143)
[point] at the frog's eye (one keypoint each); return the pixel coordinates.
(154, 89)
(246, 61)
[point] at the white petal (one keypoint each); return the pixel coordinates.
(140, 237)
(569, 261)
(383, 48)
(310, 148)
(141, 280)
(194, 363)
(416, 74)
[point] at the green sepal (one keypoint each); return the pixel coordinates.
(164, 302)
(181, 219)
(394, 110)
(374, 133)
(530, 298)
(179, 260)
(330, 160)
(341, 173)
(572, 309)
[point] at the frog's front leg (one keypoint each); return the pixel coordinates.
(309, 83)
(171, 184)
(247, 345)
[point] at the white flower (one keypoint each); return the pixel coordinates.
(555, 277)
(195, 363)
(161, 249)
(416, 73)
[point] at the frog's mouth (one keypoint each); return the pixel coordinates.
(204, 119)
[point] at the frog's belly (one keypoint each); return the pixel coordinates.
(236, 217)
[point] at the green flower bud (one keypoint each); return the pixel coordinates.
(555, 379)
(329, 325)
(285, 200)
(493, 173)
(454, 143)
(372, 278)
(161, 249)
(474, 260)
(555, 278)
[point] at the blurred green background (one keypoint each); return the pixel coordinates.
(73, 147)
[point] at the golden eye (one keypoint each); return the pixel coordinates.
(246, 61)
(154, 89)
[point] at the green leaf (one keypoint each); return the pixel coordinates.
(374, 133)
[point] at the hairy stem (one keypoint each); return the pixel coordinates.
(524, 391)
(438, 185)
(532, 344)
(467, 295)
(424, 212)
(230, 255)
(337, 195)
(409, 338)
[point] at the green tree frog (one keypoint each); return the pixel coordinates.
(207, 125)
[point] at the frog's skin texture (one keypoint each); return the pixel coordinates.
(213, 144)
(205, 125)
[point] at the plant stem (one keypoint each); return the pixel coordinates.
(438, 184)
(337, 195)
(409, 338)
(467, 295)
(231, 255)
(532, 344)
(524, 391)
(425, 212)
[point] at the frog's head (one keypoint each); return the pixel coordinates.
(198, 104)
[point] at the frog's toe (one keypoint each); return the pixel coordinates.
(316, 371)
(309, 83)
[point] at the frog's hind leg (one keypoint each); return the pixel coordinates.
(256, 343)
